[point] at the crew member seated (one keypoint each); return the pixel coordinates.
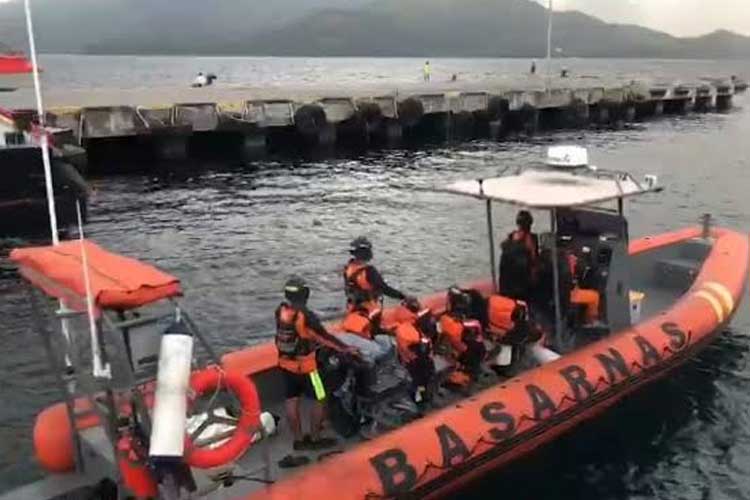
(519, 262)
(464, 335)
(363, 284)
(582, 298)
(502, 314)
(363, 322)
(414, 340)
(510, 327)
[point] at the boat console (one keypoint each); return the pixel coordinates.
(599, 241)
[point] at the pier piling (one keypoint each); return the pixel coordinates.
(250, 123)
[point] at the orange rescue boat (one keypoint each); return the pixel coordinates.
(662, 299)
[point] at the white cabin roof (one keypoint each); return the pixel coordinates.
(547, 189)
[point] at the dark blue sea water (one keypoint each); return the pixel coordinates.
(233, 233)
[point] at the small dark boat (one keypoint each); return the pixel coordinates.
(23, 201)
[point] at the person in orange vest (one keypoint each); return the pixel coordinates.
(464, 335)
(298, 333)
(511, 328)
(363, 284)
(585, 298)
(519, 262)
(414, 341)
(363, 322)
(502, 315)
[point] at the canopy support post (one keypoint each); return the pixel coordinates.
(491, 236)
(556, 281)
(620, 207)
(39, 325)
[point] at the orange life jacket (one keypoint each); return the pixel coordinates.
(294, 341)
(500, 314)
(459, 332)
(359, 291)
(589, 299)
(361, 322)
(410, 338)
(407, 336)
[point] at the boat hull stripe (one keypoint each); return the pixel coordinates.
(713, 301)
(722, 293)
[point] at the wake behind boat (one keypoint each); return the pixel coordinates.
(146, 415)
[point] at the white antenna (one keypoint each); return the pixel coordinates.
(44, 144)
(100, 370)
(549, 44)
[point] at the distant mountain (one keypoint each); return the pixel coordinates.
(152, 26)
(717, 45)
(491, 28)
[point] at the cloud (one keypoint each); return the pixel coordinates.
(679, 17)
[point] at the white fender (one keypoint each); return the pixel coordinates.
(170, 400)
(543, 355)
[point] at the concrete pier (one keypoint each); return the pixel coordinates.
(176, 123)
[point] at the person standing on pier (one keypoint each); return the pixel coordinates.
(533, 68)
(200, 80)
(427, 71)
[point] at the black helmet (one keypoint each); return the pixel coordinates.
(412, 304)
(296, 290)
(361, 247)
(458, 300)
(524, 219)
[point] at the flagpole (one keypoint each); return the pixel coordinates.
(44, 142)
(44, 145)
(549, 44)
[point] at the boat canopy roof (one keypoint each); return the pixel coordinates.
(117, 282)
(548, 188)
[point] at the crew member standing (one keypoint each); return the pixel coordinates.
(519, 262)
(363, 284)
(298, 333)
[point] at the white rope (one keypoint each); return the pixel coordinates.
(100, 370)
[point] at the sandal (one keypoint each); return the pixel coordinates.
(290, 461)
(329, 454)
(303, 444)
(322, 443)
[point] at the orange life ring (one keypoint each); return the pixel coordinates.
(210, 380)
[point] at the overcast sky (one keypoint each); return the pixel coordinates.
(679, 17)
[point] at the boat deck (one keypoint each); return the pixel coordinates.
(261, 462)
